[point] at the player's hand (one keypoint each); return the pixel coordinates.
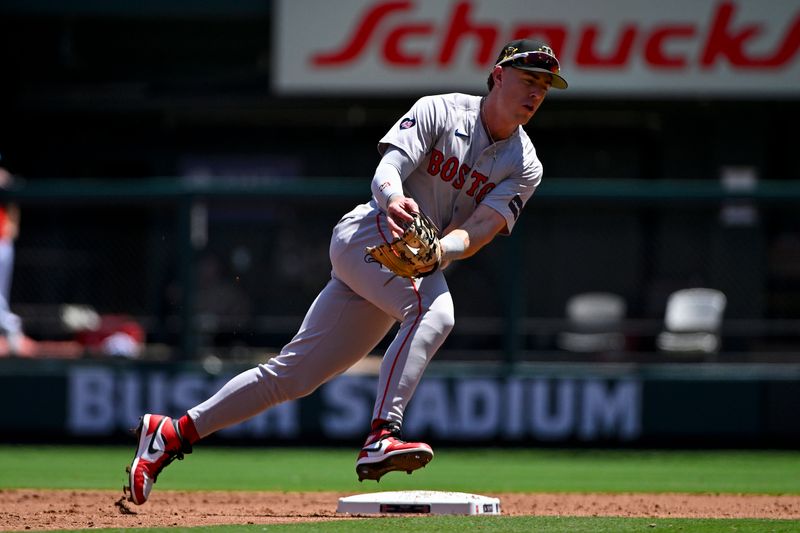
(399, 210)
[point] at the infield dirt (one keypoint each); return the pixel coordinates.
(54, 509)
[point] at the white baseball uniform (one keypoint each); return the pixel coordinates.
(457, 167)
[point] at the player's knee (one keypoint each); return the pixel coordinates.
(281, 384)
(448, 321)
(441, 318)
(292, 389)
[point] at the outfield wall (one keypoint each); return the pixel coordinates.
(571, 405)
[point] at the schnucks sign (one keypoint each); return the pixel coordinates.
(733, 48)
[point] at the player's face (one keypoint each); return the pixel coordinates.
(523, 92)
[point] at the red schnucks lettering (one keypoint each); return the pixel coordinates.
(588, 57)
(726, 41)
(478, 179)
(364, 31)
(460, 27)
(789, 48)
(723, 41)
(435, 162)
(654, 49)
(392, 51)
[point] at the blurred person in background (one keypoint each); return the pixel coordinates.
(10, 324)
(466, 162)
(220, 299)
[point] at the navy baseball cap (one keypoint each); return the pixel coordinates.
(534, 56)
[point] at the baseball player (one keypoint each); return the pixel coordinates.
(466, 163)
(10, 323)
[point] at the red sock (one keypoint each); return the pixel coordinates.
(187, 429)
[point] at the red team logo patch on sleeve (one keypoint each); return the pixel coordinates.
(407, 123)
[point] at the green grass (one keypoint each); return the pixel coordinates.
(477, 471)
(518, 524)
(761, 472)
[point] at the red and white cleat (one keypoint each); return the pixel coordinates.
(159, 444)
(386, 452)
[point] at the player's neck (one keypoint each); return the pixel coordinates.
(497, 128)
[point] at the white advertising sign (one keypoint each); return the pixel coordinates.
(648, 48)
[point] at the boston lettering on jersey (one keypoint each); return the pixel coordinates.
(458, 174)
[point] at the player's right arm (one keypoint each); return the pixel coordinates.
(403, 148)
(387, 188)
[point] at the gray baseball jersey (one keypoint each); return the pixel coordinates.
(458, 167)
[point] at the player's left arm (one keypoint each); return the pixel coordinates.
(478, 231)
